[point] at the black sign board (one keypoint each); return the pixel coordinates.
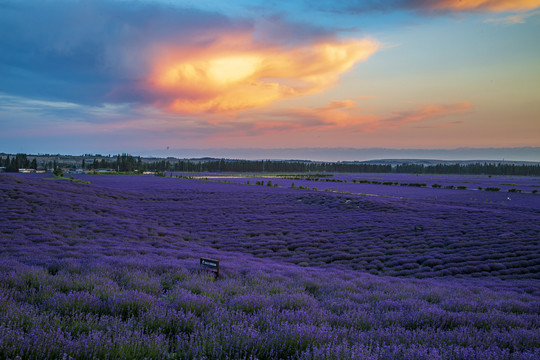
(210, 265)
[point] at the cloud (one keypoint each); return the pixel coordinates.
(334, 124)
(474, 5)
(85, 51)
(178, 59)
(513, 19)
(234, 73)
(427, 7)
(422, 113)
(347, 116)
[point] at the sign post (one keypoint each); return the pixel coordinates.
(210, 265)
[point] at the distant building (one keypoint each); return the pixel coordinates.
(75, 171)
(27, 171)
(103, 171)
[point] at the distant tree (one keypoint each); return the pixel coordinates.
(11, 165)
(58, 172)
(33, 164)
(22, 161)
(18, 162)
(83, 164)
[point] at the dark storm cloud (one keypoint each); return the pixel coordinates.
(83, 51)
(94, 52)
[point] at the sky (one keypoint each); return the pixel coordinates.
(149, 77)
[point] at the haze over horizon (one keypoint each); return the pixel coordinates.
(138, 76)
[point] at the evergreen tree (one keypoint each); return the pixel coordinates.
(12, 167)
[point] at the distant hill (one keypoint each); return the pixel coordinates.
(430, 162)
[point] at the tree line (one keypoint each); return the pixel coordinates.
(19, 161)
(470, 169)
(128, 163)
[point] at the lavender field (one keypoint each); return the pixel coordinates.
(349, 270)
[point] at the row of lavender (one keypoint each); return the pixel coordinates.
(524, 183)
(109, 270)
(381, 235)
(511, 191)
(155, 307)
(422, 238)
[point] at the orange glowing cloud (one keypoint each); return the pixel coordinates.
(234, 73)
(482, 5)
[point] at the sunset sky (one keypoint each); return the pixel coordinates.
(143, 76)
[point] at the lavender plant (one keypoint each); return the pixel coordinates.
(111, 270)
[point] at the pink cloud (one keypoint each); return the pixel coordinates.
(344, 115)
(476, 5)
(422, 113)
